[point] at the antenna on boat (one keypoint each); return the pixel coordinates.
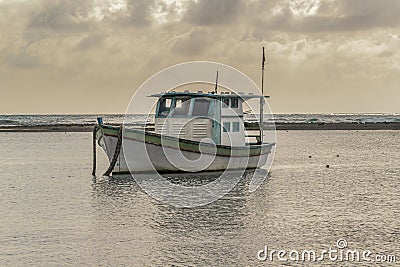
(263, 69)
(216, 84)
(261, 125)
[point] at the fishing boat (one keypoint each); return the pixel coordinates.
(192, 132)
(187, 125)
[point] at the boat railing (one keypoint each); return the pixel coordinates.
(252, 133)
(145, 126)
(150, 127)
(252, 130)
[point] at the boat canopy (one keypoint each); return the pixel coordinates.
(198, 115)
(209, 95)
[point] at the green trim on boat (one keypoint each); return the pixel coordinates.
(186, 145)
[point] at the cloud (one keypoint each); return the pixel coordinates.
(22, 60)
(91, 41)
(332, 15)
(101, 44)
(139, 12)
(62, 15)
(211, 12)
(370, 13)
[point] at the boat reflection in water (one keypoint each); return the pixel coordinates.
(153, 233)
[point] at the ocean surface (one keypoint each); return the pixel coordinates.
(33, 120)
(54, 213)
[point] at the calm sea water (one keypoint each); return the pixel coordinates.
(82, 119)
(54, 214)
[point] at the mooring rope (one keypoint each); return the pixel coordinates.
(94, 149)
(116, 152)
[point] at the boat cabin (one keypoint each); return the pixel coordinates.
(206, 117)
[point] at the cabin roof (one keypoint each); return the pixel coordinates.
(209, 94)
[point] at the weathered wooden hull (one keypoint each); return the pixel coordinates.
(146, 152)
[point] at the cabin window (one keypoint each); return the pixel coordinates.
(234, 103)
(235, 126)
(225, 102)
(227, 126)
(200, 107)
(181, 107)
(164, 106)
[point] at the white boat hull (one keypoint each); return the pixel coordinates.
(140, 156)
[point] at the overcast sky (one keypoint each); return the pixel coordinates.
(89, 56)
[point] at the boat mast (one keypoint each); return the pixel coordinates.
(216, 84)
(262, 99)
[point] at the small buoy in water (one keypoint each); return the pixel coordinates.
(327, 166)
